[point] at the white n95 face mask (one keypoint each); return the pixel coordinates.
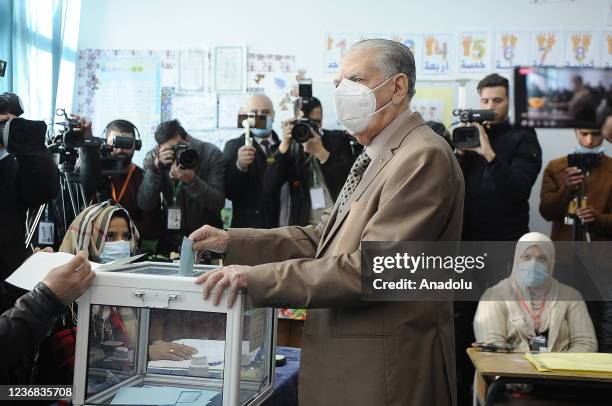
(356, 104)
(115, 250)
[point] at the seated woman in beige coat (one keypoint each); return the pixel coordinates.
(532, 303)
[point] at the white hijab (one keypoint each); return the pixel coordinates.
(533, 305)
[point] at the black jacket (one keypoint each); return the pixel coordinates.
(22, 328)
(26, 181)
(255, 194)
(497, 192)
(251, 206)
(343, 151)
(201, 201)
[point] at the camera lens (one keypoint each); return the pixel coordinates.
(188, 158)
(123, 142)
(301, 132)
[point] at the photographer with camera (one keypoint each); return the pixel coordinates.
(189, 174)
(321, 160)
(500, 172)
(28, 179)
(577, 188)
(247, 162)
(124, 188)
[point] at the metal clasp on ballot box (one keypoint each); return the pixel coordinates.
(155, 299)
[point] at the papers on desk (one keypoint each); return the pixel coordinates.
(36, 268)
(155, 395)
(572, 362)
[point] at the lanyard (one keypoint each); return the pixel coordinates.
(124, 187)
(535, 316)
(176, 188)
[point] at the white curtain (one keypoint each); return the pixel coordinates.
(44, 41)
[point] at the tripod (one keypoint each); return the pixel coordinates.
(70, 202)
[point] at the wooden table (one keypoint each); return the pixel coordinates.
(495, 370)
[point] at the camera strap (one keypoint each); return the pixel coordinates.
(116, 198)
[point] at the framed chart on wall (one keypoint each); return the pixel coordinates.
(229, 69)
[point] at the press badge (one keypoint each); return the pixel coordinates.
(317, 197)
(174, 218)
(45, 233)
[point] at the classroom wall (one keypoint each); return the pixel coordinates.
(298, 28)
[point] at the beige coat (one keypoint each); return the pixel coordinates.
(356, 353)
(500, 321)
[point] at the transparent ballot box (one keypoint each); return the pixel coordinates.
(146, 336)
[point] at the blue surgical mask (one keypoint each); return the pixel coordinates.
(581, 149)
(532, 273)
(263, 132)
(115, 250)
(3, 154)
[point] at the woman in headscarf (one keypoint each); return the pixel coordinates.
(104, 230)
(532, 303)
(107, 232)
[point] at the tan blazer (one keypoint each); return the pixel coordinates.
(353, 352)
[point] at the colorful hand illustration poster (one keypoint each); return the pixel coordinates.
(437, 54)
(474, 52)
(546, 49)
(581, 49)
(510, 49)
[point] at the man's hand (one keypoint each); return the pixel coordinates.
(314, 146)
(46, 249)
(485, 149)
(68, 282)
(286, 141)
(208, 238)
(6, 117)
(170, 351)
(177, 172)
(606, 130)
(245, 157)
(85, 125)
(573, 178)
(586, 214)
(232, 277)
(164, 156)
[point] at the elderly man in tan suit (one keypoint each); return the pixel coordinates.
(406, 185)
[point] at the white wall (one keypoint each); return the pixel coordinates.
(298, 28)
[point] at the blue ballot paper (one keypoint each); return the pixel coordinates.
(187, 257)
(163, 396)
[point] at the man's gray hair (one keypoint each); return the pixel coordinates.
(393, 58)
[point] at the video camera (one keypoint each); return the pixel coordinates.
(467, 136)
(18, 135)
(97, 164)
(302, 126)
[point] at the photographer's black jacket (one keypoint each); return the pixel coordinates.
(497, 192)
(251, 207)
(26, 181)
(255, 194)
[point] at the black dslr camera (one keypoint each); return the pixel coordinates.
(18, 135)
(467, 136)
(185, 156)
(584, 162)
(302, 126)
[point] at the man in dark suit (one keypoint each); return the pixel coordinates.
(405, 186)
(246, 164)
